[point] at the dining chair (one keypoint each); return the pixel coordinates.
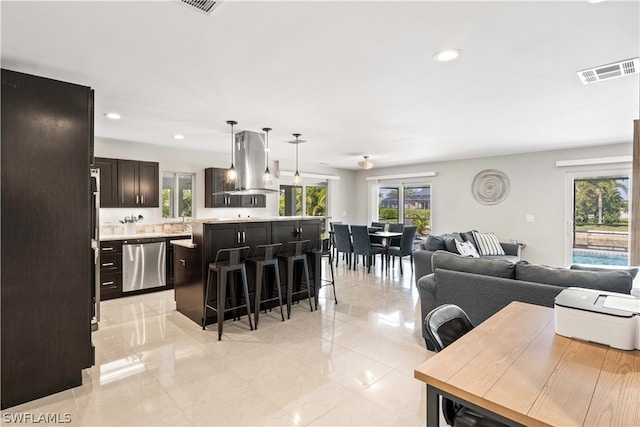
(362, 245)
(444, 325)
(395, 227)
(343, 244)
(404, 247)
(332, 236)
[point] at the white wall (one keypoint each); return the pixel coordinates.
(538, 188)
(341, 206)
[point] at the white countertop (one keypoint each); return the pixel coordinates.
(109, 237)
(255, 219)
(185, 243)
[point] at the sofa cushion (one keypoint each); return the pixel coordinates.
(488, 244)
(633, 271)
(434, 243)
(613, 281)
(449, 242)
(485, 267)
(467, 249)
(467, 236)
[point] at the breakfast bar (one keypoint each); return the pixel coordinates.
(191, 261)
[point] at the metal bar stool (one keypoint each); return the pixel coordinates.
(324, 248)
(227, 261)
(296, 251)
(265, 256)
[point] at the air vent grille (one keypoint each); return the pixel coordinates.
(610, 71)
(205, 6)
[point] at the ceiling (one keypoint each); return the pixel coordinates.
(354, 78)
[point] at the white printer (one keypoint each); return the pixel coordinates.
(598, 316)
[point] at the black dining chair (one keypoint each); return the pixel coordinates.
(362, 245)
(343, 244)
(395, 227)
(332, 236)
(405, 246)
(444, 325)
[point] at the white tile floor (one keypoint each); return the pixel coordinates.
(349, 364)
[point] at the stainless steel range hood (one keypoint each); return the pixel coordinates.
(250, 164)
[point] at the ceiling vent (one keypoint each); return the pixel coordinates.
(610, 71)
(205, 6)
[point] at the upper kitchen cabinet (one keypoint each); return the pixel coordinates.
(108, 181)
(138, 184)
(215, 186)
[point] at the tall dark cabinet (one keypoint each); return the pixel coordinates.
(46, 304)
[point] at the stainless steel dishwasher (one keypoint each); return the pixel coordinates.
(143, 264)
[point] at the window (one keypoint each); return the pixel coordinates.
(406, 203)
(388, 210)
(601, 220)
(417, 207)
(177, 194)
(314, 202)
(290, 203)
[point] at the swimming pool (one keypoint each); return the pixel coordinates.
(600, 257)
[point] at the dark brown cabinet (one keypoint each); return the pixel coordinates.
(110, 269)
(192, 266)
(46, 274)
(170, 265)
(215, 186)
(138, 184)
(108, 181)
(128, 183)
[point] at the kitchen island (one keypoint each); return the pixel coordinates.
(191, 264)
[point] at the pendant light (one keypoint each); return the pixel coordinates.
(266, 178)
(297, 180)
(231, 172)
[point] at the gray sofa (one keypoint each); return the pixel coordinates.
(445, 242)
(481, 287)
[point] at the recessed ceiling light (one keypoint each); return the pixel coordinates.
(446, 55)
(113, 116)
(178, 136)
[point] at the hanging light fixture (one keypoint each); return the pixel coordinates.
(366, 163)
(266, 178)
(231, 172)
(297, 179)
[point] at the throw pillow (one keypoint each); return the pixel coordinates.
(467, 249)
(434, 243)
(450, 244)
(467, 236)
(488, 244)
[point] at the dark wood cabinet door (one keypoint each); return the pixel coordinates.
(149, 183)
(255, 233)
(128, 183)
(108, 181)
(254, 201)
(138, 184)
(284, 231)
(215, 186)
(310, 230)
(46, 304)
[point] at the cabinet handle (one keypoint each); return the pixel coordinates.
(137, 199)
(244, 237)
(239, 241)
(107, 283)
(183, 262)
(107, 249)
(107, 264)
(142, 197)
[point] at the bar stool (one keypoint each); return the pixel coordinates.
(265, 256)
(296, 251)
(227, 261)
(323, 248)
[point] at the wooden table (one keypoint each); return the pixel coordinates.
(386, 239)
(515, 366)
